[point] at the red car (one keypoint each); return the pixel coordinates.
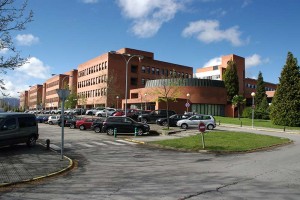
(119, 113)
(85, 123)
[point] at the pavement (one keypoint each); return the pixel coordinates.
(20, 164)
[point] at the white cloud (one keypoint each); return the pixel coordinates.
(246, 3)
(255, 60)
(4, 51)
(209, 31)
(90, 1)
(26, 39)
(149, 15)
(213, 62)
(14, 86)
(35, 68)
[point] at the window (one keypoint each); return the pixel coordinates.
(143, 81)
(157, 71)
(133, 81)
(143, 69)
(134, 68)
(153, 70)
(148, 70)
(215, 67)
(10, 124)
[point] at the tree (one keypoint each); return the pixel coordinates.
(169, 90)
(11, 19)
(231, 80)
(260, 90)
(237, 101)
(71, 101)
(286, 101)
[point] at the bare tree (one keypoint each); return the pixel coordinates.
(168, 91)
(11, 19)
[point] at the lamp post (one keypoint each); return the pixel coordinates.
(145, 101)
(117, 97)
(187, 102)
(253, 95)
(130, 56)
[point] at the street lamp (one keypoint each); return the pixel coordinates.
(187, 102)
(253, 95)
(117, 97)
(145, 101)
(130, 56)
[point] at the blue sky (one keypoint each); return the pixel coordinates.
(195, 33)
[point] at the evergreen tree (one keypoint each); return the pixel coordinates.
(231, 80)
(260, 90)
(286, 101)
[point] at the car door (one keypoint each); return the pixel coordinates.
(9, 133)
(195, 120)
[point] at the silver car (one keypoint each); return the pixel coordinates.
(194, 121)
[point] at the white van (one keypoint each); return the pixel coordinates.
(18, 128)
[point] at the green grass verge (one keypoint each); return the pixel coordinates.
(224, 141)
(248, 122)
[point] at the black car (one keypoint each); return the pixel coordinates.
(66, 117)
(154, 115)
(40, 118)
(72, 121)
(97, 125)
(124, 125)
(172, 120)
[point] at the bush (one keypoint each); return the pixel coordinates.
(247, 113)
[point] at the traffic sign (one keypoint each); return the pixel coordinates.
(202, 127)
(187, 105)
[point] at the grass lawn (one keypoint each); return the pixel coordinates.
(248, 122)
(224, 141)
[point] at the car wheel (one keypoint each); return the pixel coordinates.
(31, 141)
(110, 131)
(210, 127)
(165, 123)
(51, 123)
(144, 120)
(184, 126)
(97, 130)
(99, 115)
(81, 127)
(72, 126)
(140, 131)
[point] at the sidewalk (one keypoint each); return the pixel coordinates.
(20, 164)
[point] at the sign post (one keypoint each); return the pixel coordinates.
(202, 129)
(63, 94)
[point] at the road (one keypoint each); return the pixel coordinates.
(121, 171)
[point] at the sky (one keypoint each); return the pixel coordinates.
(195, 33)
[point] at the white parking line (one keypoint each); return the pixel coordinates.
(85, 145)
(127, 142)
(114, 143)
(99, 143)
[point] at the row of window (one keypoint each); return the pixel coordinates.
(93, 93)
(93, 69)
(92, 81)
(54, 83)
(214, 77)
(248, 85)
(165, 72)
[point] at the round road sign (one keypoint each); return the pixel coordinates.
(187, 105)
(202, 127)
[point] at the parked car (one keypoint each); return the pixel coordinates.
(173, 119)
(97, 125)
(53, 119)
(124, 125)
(93, 111)
(85, 123)
(72, 121)
(40, 118)
(78, 111)
(106, 112)
(66, 117)
(118, 113)
(194, 121)
(154, 115)
(18, 128)
(45, 118)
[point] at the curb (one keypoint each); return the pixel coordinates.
(135, 141)
(69, 167)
